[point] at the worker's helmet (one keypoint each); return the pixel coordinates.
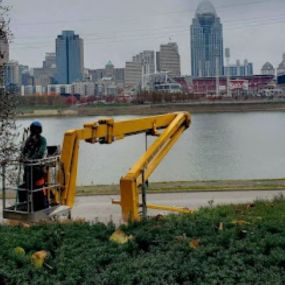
(36, 127)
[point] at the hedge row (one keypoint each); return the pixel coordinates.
(242, 244)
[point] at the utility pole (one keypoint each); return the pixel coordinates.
(142, 74)
(228, 55)
(217, 73)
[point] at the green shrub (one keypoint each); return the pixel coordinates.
(243, 244)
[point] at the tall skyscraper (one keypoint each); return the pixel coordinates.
(69, 58)
(168, 59)
(206, 42)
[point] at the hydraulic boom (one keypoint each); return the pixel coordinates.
(167, 128)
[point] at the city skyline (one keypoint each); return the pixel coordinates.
(117, 31)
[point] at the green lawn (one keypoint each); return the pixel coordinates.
(242, 244)
(191, 186)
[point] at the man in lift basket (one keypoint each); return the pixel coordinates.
(35, 148)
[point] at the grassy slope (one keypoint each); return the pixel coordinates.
(186, 186)
(191, 186)
(243, 244)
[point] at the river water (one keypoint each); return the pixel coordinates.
(216, 146)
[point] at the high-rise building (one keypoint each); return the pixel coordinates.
(45, 75)
(120, 77)
(26, 78)
(141, 65)
(157, 61)
(238, 69)
(146, 59)
(12, 73)
(50, 60)
(206, 42)
(69, 58)
(168, 59)
(133, 74)
(23, 69)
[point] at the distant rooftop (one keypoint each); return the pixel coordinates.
(206, 7)
(109, 63)
(267, 66)
(67, 33)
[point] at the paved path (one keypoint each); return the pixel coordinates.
(100, 207)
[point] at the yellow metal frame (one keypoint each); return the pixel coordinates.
(107, 131)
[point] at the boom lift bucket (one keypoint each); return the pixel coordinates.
(33, 195)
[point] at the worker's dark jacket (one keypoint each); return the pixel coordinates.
(35, 148)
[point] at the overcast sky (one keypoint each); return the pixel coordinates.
(118, 29)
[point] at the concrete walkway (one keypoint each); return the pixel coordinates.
(100, 208)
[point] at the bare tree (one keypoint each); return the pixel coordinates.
(8, 130)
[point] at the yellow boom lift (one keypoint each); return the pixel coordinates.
(62, 189)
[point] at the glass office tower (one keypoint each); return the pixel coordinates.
(206, 42)
(69, 58)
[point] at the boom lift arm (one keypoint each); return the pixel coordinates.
(107, 131)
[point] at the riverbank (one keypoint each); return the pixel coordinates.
(191, 186)
(150, 109)
(186, 187)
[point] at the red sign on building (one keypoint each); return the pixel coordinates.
(239, 84)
